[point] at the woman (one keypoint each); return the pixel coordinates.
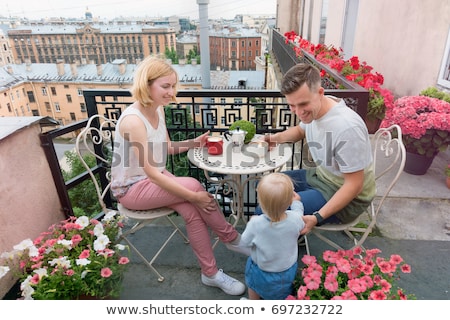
(140, 180)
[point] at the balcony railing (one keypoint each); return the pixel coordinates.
(198, 111)
(195, 113)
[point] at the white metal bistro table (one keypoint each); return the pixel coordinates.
(234, 165)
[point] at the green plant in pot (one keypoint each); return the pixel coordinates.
(247, 126)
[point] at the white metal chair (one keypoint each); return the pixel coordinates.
(389, 160)
(98, 135)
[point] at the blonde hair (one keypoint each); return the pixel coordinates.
(275, 193)
(150, 69)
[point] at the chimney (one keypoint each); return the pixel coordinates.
(99, 69)
(27, 65)
(60, 67)
(74, 70)
(122, 68)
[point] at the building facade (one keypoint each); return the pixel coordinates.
(234, 49)
(407, 41)
(89, 43)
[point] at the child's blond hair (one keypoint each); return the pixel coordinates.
(275, 192)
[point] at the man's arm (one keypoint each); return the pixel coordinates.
(353, 185)
(292, 134)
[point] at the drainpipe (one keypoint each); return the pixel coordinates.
(204, 43)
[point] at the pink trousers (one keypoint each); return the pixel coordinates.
(147, 195)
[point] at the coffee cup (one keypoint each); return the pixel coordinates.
(258, 148)
(214, 145)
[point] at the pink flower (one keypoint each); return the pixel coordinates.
(331, 284)
(105, 272)
(84, 254)
(377, 295)
(124, 260)
(312, 283)
(308, 259)
(406, 268)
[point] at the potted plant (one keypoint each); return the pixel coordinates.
(350, 275)
(425, 123)
(352, 69)
(75, 259)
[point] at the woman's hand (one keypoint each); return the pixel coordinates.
(205, 201)
(200, 141)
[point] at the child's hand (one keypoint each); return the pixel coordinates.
(295, 196)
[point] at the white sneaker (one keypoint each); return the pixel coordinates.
(223, 281)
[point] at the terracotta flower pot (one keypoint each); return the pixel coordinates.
(447, 181)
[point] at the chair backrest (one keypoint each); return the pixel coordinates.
(96, 139)
(389, 160)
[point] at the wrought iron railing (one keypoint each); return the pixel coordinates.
(195, 113)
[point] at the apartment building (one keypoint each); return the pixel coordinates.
(234, 48)
(56, 90)
(5, 50)
(88, 42)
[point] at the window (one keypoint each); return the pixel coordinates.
(444, 73)
(72, 116)
(30, 95)
(53, 90)
(47, 107)
(8, 105)
(69, 98)
(57, 107)
(44, 91)
(197, 109)
(82, 107)
(80, 92)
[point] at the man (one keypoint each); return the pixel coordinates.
(342, 184)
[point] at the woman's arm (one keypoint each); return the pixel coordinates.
(134, 129)
(176, 147)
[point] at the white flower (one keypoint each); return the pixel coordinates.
(82, 262)
(62, 262)
(120, 246)
(41, 272)
(3, 270)
(84, 273)
(98, 229)
(109, 216)
(83, 221)
(25, 244)
(101, 242)
(27, 289)
(33, 251)
(66, 243)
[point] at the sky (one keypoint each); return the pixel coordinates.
(35, 9)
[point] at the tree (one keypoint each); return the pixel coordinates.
(171, 54)
(83, 197)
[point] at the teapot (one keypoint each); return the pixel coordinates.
(237, 138)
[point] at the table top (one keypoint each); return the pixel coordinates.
(243, 162)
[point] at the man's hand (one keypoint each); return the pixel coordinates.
(310, 222)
